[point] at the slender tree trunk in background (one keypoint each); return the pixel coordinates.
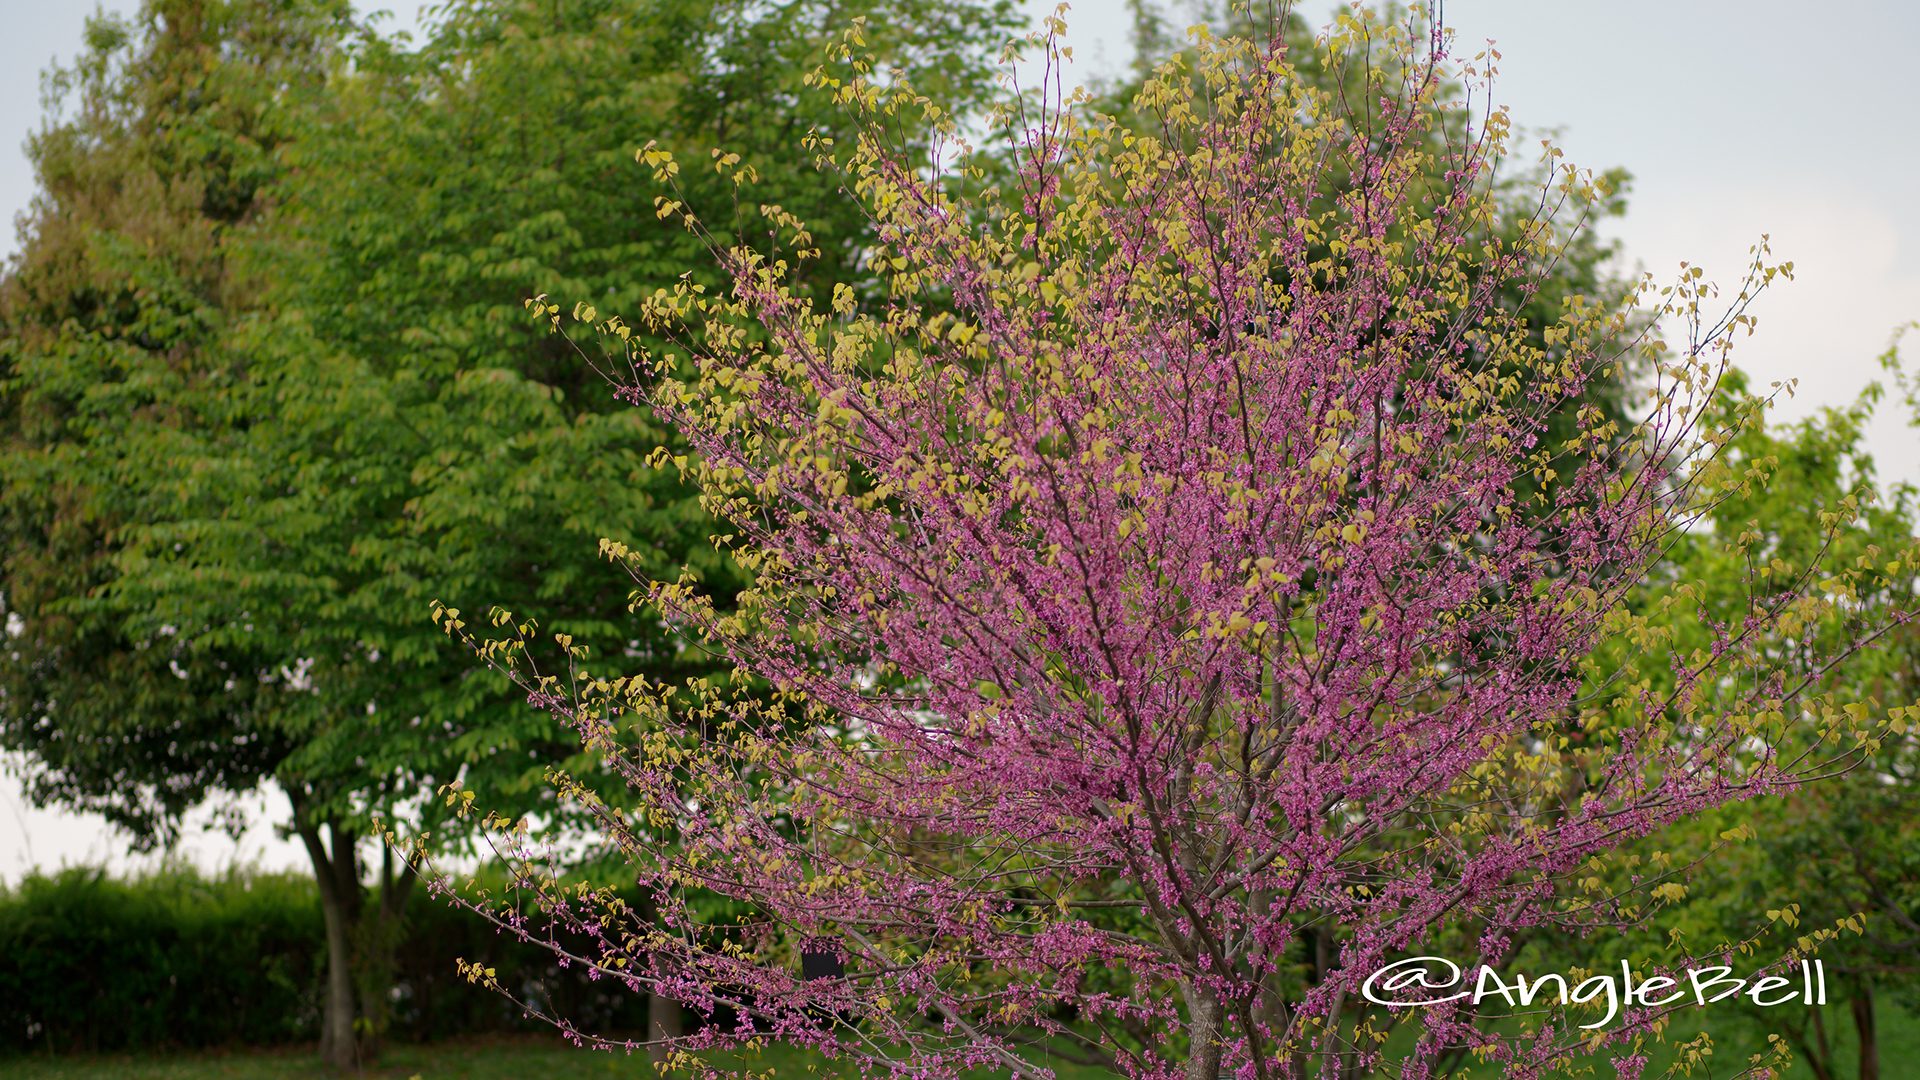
(376, 941)
(663, 1022)
(362, 939)
(1817, 1053)
(338, 1048)
(1863, 1026)
(663, 1014)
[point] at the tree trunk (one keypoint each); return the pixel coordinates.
(663, 1014)
(375, 943)
(1205, 1018)
(1863, 1026)
(663, 1023)
(338, 1047)
(1819, 1053)
(361, 940)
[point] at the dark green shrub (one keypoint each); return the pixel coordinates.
(88, 962)
(175, 959)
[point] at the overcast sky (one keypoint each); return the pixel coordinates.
(1736, 117)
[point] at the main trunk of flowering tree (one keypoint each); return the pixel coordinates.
(1205, 1019)
(362, 933)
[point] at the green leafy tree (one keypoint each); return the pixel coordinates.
(1834, 868)
(158, 161)
(157, 155)
(384, 426)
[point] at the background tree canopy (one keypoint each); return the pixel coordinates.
(270, 389)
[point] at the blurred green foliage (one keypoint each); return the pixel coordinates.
(177, 960)
(1831, 869)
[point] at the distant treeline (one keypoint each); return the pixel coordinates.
(174, 960)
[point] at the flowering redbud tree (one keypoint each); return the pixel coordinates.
(1161, 570)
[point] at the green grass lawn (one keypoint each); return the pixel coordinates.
(520, 1057)
(535, 1057)
(529, 1057)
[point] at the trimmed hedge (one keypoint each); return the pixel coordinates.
(178, 960)
(92, 963)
